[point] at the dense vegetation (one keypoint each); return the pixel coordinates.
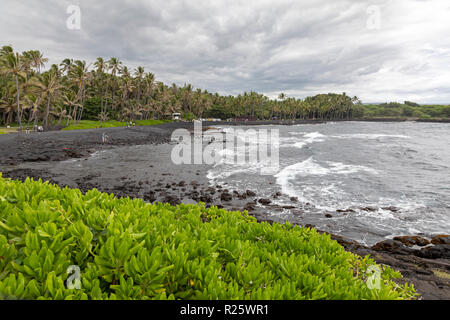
(128, 249)
(74, 90)
(107, 90)
(402, 110)
(90, 124)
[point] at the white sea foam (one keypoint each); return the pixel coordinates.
(369, 136)
(310, 167)
(308, 138)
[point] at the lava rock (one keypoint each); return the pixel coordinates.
(250, 193)
(412, 240)
(368, 209)
(392, 246)
(211, 190)
(225, 196)
(391, 208)
(251, 206)
(206, 198)
(440, 251)
(265, 201)
(345, 210)
(276, 195)
(172, 200)
(441, 239)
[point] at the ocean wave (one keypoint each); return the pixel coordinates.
(310, 167)
(308, 138)
(370, 136)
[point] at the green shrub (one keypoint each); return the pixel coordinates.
(89, 124)
(128, 249)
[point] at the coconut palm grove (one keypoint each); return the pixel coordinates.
(107, 89)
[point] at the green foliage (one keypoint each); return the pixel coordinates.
(88, 124)
(219, 112)
(128, 249)
(188, 116)
(407, 110)
(92, 108)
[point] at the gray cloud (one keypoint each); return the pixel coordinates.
(297, 47)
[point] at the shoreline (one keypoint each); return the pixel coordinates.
(22, 155)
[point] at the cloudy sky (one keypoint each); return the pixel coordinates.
(378, 50)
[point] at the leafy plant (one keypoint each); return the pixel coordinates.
(128, 249)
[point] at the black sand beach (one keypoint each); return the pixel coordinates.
(39, 155)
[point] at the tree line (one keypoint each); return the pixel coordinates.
(404, 110)
(108, 89)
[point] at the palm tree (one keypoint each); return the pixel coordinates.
(5, 50)
(13, 65)
(80, 75)
(100, 64)
(66, 65)
(37, 60)
(70, 100)
(139, 73)
(33, 102)
(49, 84)
(114, 65)
(8, 103)
(127, 88)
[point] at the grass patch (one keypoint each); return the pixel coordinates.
(89, 124)
(441, 274)
(128, 249)
(7, 130)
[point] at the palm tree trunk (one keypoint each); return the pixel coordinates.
(47, 112)
(68, 116)
(74, 116)
(19, 114)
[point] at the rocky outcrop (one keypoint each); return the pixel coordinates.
(441, 239)
(413, 241)
(265, 201)
(426, 267)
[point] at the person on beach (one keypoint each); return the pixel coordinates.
(105, 138)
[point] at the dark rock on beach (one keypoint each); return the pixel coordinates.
(439, 251)
(250, 193)
(265, 201)
(413, 240)
(441, 239)
(427, 268)
(392, 246)
(225, 196)
(392, 209)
